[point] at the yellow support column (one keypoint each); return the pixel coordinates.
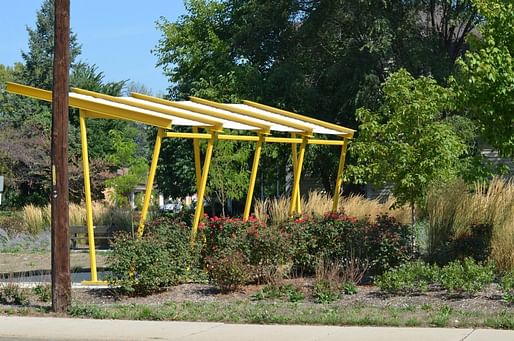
(297, 175)
(198, 166)
(149, 182)
(340, 172)
(198, 163)
(89, 206)
(253, 177)
(295, 201)
(203, 184)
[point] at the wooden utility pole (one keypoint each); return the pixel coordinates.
(61, 283)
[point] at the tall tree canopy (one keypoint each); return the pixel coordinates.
(485, 81)
(322, 58)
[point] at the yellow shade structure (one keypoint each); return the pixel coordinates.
(216, 120)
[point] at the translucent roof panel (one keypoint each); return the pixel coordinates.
(273, 126)
(316, 128)
(226, 123)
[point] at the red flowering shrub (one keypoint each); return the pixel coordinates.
(336, 237)
(232, 245)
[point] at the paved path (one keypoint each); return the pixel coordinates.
(47, 328)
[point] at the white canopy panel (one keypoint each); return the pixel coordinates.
(183, 122)
(316, 128)
(273, 126)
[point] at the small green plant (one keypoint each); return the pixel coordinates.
(12, 293)
(507, 286)
(466, 277)
(349, 288)
(43, 292)
(87, 310)
(325, 291)
(285, 292)
(408, 278)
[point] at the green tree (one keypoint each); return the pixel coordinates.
(228, 176)
(39, 58)
(407, 142)
(133, 167)
(485, 81)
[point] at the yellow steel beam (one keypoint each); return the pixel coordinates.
(192, 135)
(264, 128)
(297, 175)
(215, 124)
(345, 131)
(267, 139)
(253, 177)
(103, 110)
(149, 182)
(203, 185)
(306, 130)
(340, 173)
(87, 193)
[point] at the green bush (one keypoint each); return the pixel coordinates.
(12, 293)
(244, 251)
(229, 272)
(466, 277)
(507, 286)
(383, 244)
(162, 257)
(408, 278)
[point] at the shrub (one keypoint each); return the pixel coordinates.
(229, 272)
(245, 251)
(408, 278)
(12, 293)
(382, 244)
(161, 258)
(507, 286)
(466, 277)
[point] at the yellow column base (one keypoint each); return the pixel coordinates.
(94, 282)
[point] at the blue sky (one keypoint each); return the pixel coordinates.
(116, 35)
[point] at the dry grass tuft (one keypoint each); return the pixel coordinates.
(37, 219)
(34, 219)
(276, 211)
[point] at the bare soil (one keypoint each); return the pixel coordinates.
(489, 301)
(30, 262)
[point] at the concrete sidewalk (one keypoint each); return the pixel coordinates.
(47, 328)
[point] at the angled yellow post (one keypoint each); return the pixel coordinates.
(340, 172)
(295, 201)
(198, 163)
(297, 175)
(203, 184)
(253, 177)
(198, 166)
(149, 182)
(89, 206)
